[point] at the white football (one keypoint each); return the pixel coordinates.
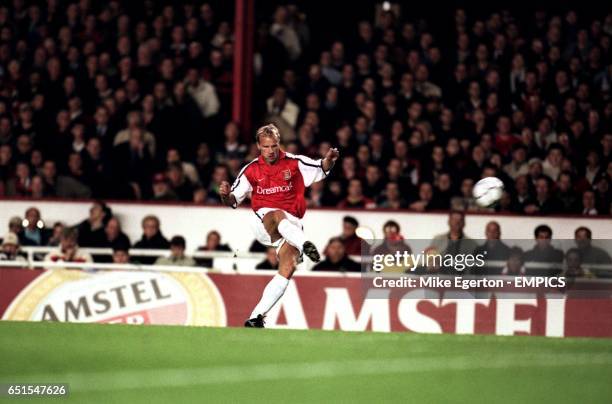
(487, 191)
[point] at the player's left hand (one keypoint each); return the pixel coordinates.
(332, 154)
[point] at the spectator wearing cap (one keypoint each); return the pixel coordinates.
(177, 254)
(271, 261)
(336, 259)
(152, 238)
(10, 249)
(68, 249)
(34, 231)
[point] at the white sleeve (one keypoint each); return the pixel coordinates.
(311, 170)
(240, 189)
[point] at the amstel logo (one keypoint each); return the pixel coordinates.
(120, 297)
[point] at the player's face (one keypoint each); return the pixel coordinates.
(269, 148)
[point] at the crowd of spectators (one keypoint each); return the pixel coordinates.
(343, 253)
(125, 100)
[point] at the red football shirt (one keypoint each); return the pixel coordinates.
(280, 185)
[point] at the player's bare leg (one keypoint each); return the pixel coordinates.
(288, 255)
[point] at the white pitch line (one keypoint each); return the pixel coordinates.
(163, 378)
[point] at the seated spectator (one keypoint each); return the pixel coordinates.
(121, 254)
(543, 259)
(552, 164)
(91, 230)
(352, 242)
(566, 194)
(68, 249)
(271, 261)
(588, 204)
(493, 249)
(455, 241)
(174, 157)
(203, 93)
(15, 225)
(162, 190)
(442, 192)
(213, 243)
(56, 234)
(134, 123)
(543, 203)
(152, 238)
(132, 166)
(60, 186)
(465, 201)
(113, 237)
(179, 183)
(283, 108)
(355, 197)
(425, 198)
(177, 254)
(393, 241)
(392, 198)
(21, 184)
(10, 249)
(232, 145)
(573, 265)
(518, 165)
(515, 264)
(34, 231)
(592, 255)
(336, 259)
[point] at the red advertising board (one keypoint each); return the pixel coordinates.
(320, 302)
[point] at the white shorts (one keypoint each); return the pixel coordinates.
(260, 231)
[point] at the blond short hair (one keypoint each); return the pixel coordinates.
(269, 130)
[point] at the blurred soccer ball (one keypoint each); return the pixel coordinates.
(487, 191)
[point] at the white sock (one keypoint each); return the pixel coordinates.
(272, 293)
(292, 234)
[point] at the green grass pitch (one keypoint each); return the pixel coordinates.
(155, 364)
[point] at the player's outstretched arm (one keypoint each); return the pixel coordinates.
(227, 198)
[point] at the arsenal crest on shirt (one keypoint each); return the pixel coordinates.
(287, 175)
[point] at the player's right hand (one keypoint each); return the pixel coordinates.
(224, 189)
